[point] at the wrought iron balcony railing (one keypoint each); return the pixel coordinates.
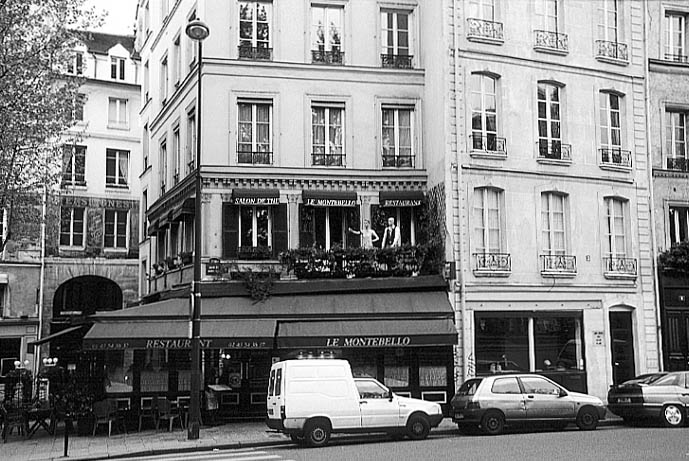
(621, 266)
(398, 161)
(677, 58)
(490, 144)
(493, 262)
(256, 53)
(483, 29)
(564, 264)
(255, 158)
(555, 41)
(554, 150)
(678, 163)
(328, 159)
(327, 57)
(616, 157)
(613, 50)
(398, 61)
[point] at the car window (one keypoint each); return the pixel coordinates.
(673, 379)
(271, 383)
(469, 387)
(506, 386)
(278, 381)
(536, 385)
(371, 390)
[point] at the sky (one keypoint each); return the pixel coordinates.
(120, 15)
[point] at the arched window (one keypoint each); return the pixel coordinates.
(484, 114)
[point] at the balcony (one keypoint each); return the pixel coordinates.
(554, 150)
(398, 161)
(481, 30)
(492, 264)
(680, 58)
(558, 265)
(615, 157)
(678, 164)
(334, 57)
(614, 51)
(396, 61)
(328, 159)
(490, 146)
(255, 53)
(619, 268)
(551, 42)
(255, 158)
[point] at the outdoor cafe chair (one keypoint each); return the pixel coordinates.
(147, 410)
(166, 412)
(13, 418)
(103, 411)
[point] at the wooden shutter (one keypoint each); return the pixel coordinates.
(230, 230)
(305, 226)
(279, 228)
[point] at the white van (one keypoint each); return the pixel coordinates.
(312, 398)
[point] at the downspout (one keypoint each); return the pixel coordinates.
(649, 172)
(41, 277)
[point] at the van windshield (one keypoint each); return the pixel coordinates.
(469, 387)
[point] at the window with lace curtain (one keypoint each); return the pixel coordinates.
(116, 168)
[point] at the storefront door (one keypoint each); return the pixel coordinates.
(622, 339)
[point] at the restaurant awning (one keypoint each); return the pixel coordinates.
(329, 198)
(47, 339)
(256, 197)
(185, 209)
(367, 333)
(400, 198)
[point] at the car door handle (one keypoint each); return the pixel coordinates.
(362, 402)
(685, 395)
(530, 396)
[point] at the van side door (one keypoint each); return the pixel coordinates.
(377, 408)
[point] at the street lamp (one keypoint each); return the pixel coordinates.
(198, 31)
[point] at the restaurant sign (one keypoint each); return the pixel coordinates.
(176, 343)
(400, 202)
(330, 202)
(352, 342)
(256, 200)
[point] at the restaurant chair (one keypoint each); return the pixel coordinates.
(166, 412)
(13, 418)
(147, 410)
(183, 408)
(103, 412)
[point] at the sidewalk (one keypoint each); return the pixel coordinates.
(43, 447)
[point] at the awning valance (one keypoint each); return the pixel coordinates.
(256, 197)
(47, 339)
(185, 209)
(329, 198)
(400, 198)
(367, 333)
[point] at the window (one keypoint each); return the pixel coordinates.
(254, 137)
(484, 115)
(254, 227)
(487, 220)
(611, 131)
(115, 229)
(117, 68)
(371, 390)
(398, 137)
(679, 224)
(396, 39)
(162, 157)
(675, 37)
(548, 36)
(553, 226)
(676, 140)
(191, 140)
(118, 114)
(164, 77)
(177, 56)
(10, 349)
(74, 165)
(116, 168)
(144, 209)
(254, 30)
(147, 82)
(547, 15)
(78, 111)
(146, 147)
(326, 227)
(327, 136)
(75, 66)
(607, 20)
(326, 35)
(549, 123)
(615, 229)
(4, 229)
(482, 9)
(72, 224)
(176, 155)
(506, 386)
(535, 385)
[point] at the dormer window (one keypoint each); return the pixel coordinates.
(117, 68)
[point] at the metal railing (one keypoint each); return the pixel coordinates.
(493, 262)
(398, 161)
(614, 50)
(255, 158)
(554, 150)
(625, 266)
(481, 28)
(256, 53)
(551, 40)
(559, 263)
(488, 143)
(327, 57)
(679, 164)
(328, 159)
(615, 156)
(676, 58)
(398, 61)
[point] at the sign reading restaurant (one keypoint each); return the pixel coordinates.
(176, 343)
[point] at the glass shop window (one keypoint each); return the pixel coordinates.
(119, 371)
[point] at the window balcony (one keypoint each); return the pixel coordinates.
(615, 157)
(398, 161)
(396, 61)
(492, 264)
(551, 42)
(619, 268)
(554, 150)
(334, 57)
(558, 265)
(255, 158)
(678, 164)
(255, 53)
(680, 58)
(611, 50)
(490, 145)
(328, 159)
(481, 30)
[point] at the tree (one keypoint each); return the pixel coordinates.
(675, 260)
(37, 98)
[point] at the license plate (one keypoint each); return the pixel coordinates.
(624, 400)
(459, 416)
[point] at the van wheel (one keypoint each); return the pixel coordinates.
(418, 427)
(317, 433)
(587, 419)
(493, 422)
(673, 416)
(298, 439)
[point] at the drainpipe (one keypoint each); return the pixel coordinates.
(649, 172)
(41, 277)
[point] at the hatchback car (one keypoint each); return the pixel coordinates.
(663, 397)
(490, 403)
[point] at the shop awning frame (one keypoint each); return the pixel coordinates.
(47, 339)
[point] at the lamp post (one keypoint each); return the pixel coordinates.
(198, 31)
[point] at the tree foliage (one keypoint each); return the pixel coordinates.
(37, 98)
(675, 259)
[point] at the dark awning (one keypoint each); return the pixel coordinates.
(400, 198)
(367, 333)
(185, 209)
(152, 228)
(256, 197)
(329, 198)
(59, 334)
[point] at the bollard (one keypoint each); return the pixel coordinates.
(68, 424)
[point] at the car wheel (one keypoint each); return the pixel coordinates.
(418, 427)
(317, 433)
(673, 416)
(587, 419)
(467, 429)
(298, 439)
(493, 423)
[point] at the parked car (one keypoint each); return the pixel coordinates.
(490, 403)
(310, 399)
(661, 396)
